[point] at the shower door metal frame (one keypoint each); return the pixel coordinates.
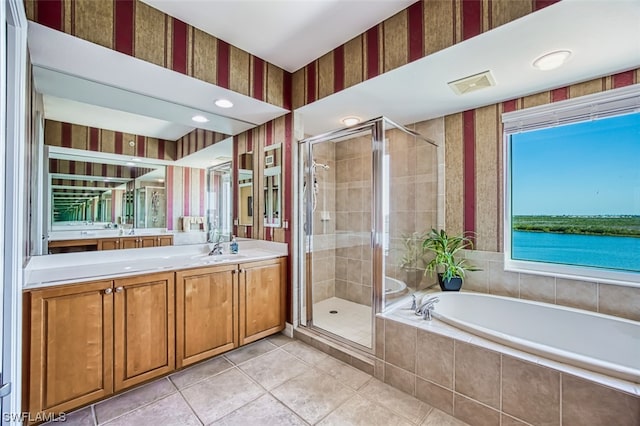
(378, 128)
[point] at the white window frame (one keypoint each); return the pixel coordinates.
(606, 104)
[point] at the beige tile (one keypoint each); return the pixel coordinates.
(339, 354)
(273, 368)
(434, 395)
(438, 418)
(472, 412)
(133, 399)
(265, 410)
(477, 373)
(378, 372)
(83, 417)
(434, 360)
(312, 395)
(537, 287)
(620, 301)
(400, 345)
(214, 398)
(401, 403)
(280, 339)
(478, 280)
(248, 352)
(380, 332)
(360, 411)
(585, 403)
(400, 379)
(172, 410)
(344, 373)
(510, 421)
(200, 371)
(501, 282)
(530, 392)
(366, 367)
(577, 294)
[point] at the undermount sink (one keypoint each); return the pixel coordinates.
(207, 259)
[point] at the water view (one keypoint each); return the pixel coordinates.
(620, 253)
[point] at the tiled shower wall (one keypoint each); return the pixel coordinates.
(342, 220)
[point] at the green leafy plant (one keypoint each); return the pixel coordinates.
(445, 247)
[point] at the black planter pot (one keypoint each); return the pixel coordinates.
(453, 284)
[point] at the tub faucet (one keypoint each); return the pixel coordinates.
(426, 308)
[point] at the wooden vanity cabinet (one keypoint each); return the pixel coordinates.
(109, 244)
(115, 243)
(71, 341)
(206, 313)
(89, 340)
(144, 328)
(262, 302)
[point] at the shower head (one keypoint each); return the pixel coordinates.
(323, 166)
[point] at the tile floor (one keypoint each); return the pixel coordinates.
(352, 320)
(275, 381)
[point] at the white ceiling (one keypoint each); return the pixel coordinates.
(287, 33)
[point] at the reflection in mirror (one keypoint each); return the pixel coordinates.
(91, 192)
(245, 189)
(272, 182)
(219, 192)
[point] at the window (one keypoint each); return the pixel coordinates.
(573, 188)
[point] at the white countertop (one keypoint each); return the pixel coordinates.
(104, 233)
(57, 269)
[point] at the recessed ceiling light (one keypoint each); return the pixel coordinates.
(136, 159)
(224, 103)
(350, 121)
(199, 118)
(552, 60)
(129, 163)
(160, 180)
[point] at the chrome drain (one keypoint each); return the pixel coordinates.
(333, 312)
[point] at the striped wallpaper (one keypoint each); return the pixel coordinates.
(196, 140)
(186, 190)
(423, 28)
(76, 136)
(474, 163)
(136, 29)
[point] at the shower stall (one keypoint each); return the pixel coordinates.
(369, 192)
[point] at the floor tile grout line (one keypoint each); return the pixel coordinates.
(337, 407)
(138, 408)
(286, 406)
(399, 413)
(202, 379)
(191, 407)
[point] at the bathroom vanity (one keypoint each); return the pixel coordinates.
(106, 240)
(106, 325)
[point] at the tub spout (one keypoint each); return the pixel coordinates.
(426, 307)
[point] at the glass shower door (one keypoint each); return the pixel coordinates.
(338, 190)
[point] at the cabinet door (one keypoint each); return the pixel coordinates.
(144, 242)
(144, 328)
(206, 313)
(165, 240)
(109, 244)
(71, 346)
(262, 299)
(129, 242)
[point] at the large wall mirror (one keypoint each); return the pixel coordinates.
(272, 185)
(87, 190)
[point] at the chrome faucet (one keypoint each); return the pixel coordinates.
(217, 248)
(426, 307)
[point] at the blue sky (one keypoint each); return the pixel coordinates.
(589, 168)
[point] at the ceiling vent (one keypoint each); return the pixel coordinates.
(472, 83)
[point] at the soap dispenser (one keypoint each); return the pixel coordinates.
(234, 245)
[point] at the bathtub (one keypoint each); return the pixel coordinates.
(393, 287)
(593, 341)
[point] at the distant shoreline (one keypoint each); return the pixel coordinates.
(614, 226)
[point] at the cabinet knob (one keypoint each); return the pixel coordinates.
(119, 289)
(108, 291)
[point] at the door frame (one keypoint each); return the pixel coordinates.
(12, 162)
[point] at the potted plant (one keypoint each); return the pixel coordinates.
(451, 271)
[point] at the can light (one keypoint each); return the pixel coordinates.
(350, 121)
(224, 103)
(551, 61)
(199, 118)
